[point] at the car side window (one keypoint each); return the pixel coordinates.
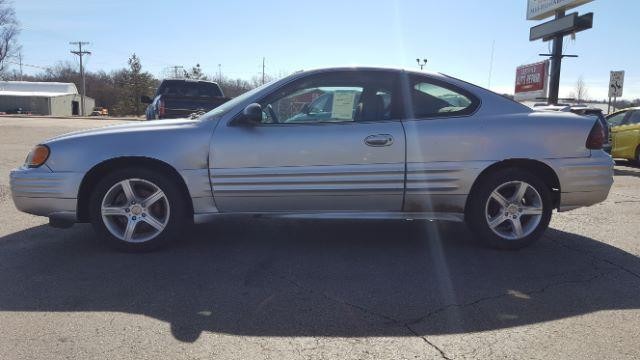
(435, 99)
(616, 120)
(334, 97)
(634, 118)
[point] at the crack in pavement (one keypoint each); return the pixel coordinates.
(409, 323)
(392, 320)
(495, 297)
(424, 338)
(594, 256)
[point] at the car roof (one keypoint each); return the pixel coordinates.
(370, 68)
(623, 110)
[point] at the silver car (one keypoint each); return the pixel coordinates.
(390, 143)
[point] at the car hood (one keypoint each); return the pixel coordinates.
(137, 126)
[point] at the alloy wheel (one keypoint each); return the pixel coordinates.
(514, 210)
(135, 210)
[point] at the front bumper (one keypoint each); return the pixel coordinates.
(42, 192)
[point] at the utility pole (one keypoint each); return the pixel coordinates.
(556, 63)
(423, 64)
(20, 62)
(262, 70)
(219, 73)
(493, 46)
(80, 53)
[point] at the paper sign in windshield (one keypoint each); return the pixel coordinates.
(343, 105)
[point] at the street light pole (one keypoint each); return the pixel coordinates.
(423, 64)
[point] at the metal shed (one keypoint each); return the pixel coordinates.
(43, 98)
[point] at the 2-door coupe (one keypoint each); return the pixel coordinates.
(380, 143)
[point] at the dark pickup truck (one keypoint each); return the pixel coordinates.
(181, 98)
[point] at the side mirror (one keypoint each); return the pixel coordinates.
(251, 115)
(145, 99)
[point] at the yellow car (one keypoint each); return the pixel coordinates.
(625, 134)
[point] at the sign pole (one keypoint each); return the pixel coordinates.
(556, 63)
(609, 106)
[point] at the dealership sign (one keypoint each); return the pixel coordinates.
(531, 81)
(542, 9)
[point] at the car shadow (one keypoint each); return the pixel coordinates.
(266, 277)
(626, 172)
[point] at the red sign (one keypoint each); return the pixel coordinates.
(532, 77)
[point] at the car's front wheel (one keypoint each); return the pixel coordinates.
(509, 209)
(137, 209)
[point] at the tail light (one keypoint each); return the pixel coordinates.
(161, 109)
(596, 137)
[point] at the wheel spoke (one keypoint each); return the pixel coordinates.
(531, 210)
(517, 227)
(128, 190)
(153, 198)
(151, 220)
(128, 232)
(499, 219)
(113, 211)
(500, 199)
(520, 191)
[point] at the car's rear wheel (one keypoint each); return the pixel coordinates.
(137, 209)
(509, 209)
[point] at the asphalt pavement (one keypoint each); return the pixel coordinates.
(257, 288)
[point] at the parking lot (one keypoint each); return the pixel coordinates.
(246, 288)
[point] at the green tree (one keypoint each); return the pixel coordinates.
(131, 83)
(195, 73)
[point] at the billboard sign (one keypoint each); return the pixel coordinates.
(532, 81)
(542, 9)
(616, 82)
(565, 25)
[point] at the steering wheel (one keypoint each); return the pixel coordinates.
(272, 114)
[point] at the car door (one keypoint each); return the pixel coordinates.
(617, 122)
(351, 159)
(629, 135)
(441, 143)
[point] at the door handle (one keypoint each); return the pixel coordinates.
(379, 140)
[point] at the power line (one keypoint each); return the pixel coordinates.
(81, 53)
(28, 65)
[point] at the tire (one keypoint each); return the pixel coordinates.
(504, 211)
(133, 220)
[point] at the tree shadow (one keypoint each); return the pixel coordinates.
(266, 277)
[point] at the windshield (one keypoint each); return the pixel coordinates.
(222, 109)
(189, 89)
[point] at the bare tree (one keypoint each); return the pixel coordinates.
(8, 33)
(580, 92)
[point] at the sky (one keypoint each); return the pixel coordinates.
(455, 36)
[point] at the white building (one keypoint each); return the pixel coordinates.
(43, 98)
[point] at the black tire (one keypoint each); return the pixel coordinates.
(476, 212)
(176, 218)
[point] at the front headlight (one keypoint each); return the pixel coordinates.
(37, 156)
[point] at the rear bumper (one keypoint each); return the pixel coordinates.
(584, 181)
(574, 200)
(45, 193)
